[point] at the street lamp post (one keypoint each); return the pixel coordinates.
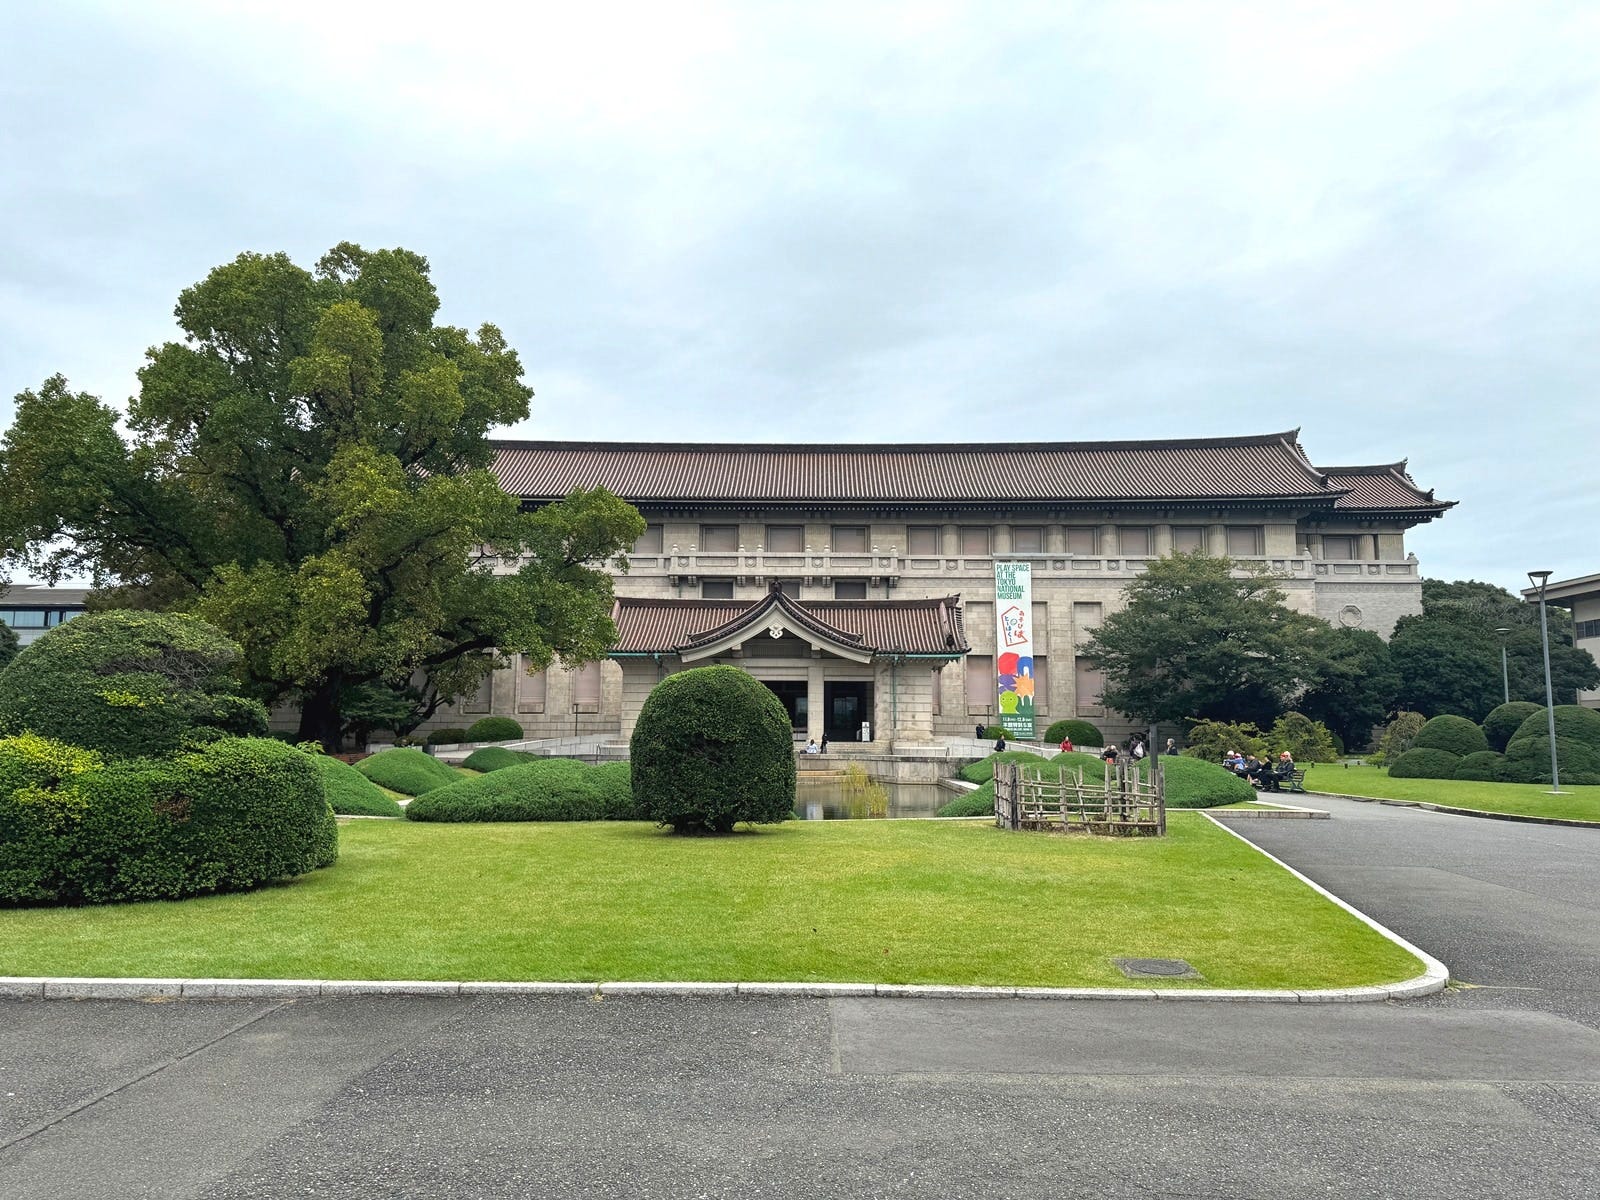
(1505, 671)
(1539, 579)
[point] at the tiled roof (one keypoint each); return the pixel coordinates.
(1387, 486)
(646, 625)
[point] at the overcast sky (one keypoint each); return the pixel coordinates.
(1379, 223)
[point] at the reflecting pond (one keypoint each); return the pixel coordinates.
(852, 796)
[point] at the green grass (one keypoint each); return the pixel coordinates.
(1521, 799)
(862, 901)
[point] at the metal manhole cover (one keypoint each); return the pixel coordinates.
(1156, 968)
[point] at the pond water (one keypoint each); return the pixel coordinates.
(852, 797)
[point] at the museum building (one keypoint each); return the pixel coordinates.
(858, 581)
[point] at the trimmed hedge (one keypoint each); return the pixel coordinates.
(446, 737)
(1573, 722)
(494, 729)
(1454, 735)
(546, 789)
(1502, 723)
(1527, 760)
(1082, 733)
(1193, 783)
(982, 771)
(350, 793)
(1483, 766)
(496, 758)
(712, 747)
(971, 804)
(76, 828)
(128, 683)
(1424, 762)
(407, 771)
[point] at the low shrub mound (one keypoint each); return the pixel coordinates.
(1482, 766)
(994, 733)
(979, 803)
(407, 771)
(1503, 722)
(1454, 735)
(1422, 762)
(350, 793)
(496, 758)
(1573, 722)
(77, 828)
(982, 771)
(1192, 783)
(446, 737)
(128, 683)
(494, 729)
(546, 789)
(1082, 733)
(1577, 746)
(713, 747)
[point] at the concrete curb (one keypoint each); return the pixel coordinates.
(1435, 975)
(1520, 818)
(1280, 813)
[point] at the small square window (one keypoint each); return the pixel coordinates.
(850, 589)
(649, 541)
(975, 540)
(1135, 539)
(716, 589)
(1027, 539)
(923, 539)
(1244, 541)
(786, 539)
(1186, 539)
(1083, 539)
(719, 539)
(849, 539)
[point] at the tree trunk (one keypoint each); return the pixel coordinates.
(319, 716)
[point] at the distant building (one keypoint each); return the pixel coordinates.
(1582, 595)
(31, 609)
(858, 581)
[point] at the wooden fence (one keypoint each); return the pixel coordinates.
(1130, 800)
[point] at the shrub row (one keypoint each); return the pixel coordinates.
(1191, 783)
(350, 793)
(545, 789)
(409, 771)
(1082, 733)
(1450, 747)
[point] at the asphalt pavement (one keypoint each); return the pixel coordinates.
(1491, 1090)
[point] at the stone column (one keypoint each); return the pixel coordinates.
(1217, 541)
(1001, 540)
(1163, 545)
(1055, 538)
(814, 713)
(1109, 547)
(952, 541)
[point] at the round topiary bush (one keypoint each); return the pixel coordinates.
(496, 758)
(982, 771)
(545, 789)
(350, 793)
(1527, 760)
(1482, 765)
(1454, 735)
(1082, 733)
(1423, 762)
(495, 729)
(1195, 783)
(446, 737)
(76, 828)
(1573, 722)
(128, 683)
(407, 770)
(713, 746)
(1503, 722)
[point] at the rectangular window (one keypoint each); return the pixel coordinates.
(923, 539)
(975, 540)
(981, 683)
(1086, 617)
(1027, 539)
(1589, 629)
(481, 699)
(786, 539)
(1083, 539)
(1136, 539)
(719, 539)
(1186, 539)
(531, 689)
(850, 589)
(716, 589)
(849, 539)
(790, 588)
(1338, 546)
(649, 541)
(26, 618)
(1041, 687)
(1091, 684)
(586, 688)
(1244, 541)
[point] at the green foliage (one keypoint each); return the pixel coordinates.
(1211, 740)
(1577, 747)
(1355, 687)
(447, 737)
(979, 803)
(76, 829)
(1307, 741)
(1454, 734)
(1581, 725)
(8, 645)
(307, 467)
(545, 789)
(495, 729)
(1421, 762)
(128, 683)
(1193, 783)
(406, 770)
(1082, 733)
(1483, 766)
(712, 747)
(982, 771)
(995, 732)
(1200, 638)
(1400, 734)
(350, 793)
(1503, 721)
(496, 758)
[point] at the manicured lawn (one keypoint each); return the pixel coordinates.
(857, 901)
(1524, 799)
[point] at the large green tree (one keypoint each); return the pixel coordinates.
(1355, 687)
(307, 469)
(1203, 638)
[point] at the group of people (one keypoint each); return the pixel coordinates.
(1262, 773)
(813, 748)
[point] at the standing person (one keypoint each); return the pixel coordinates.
(1172, 746)
(977, 732)
(823, 748)
(1138, 749)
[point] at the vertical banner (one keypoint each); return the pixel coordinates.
(1013, 646)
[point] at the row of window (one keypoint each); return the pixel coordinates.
(976, 540)
(980, 687)
(1589, 629)
(38, 618)
(532, 690)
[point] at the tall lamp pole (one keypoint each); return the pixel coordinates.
(1505, 671)
(1539, 579)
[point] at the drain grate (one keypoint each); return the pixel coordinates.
(1156, 968)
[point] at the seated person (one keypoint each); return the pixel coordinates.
(1281, 772)
(1109, 756)
(811, 747)
(1233, 761)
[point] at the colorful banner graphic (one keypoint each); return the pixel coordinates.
(1013, 646)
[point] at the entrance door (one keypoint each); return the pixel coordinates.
(845, 705)
(793, 694)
